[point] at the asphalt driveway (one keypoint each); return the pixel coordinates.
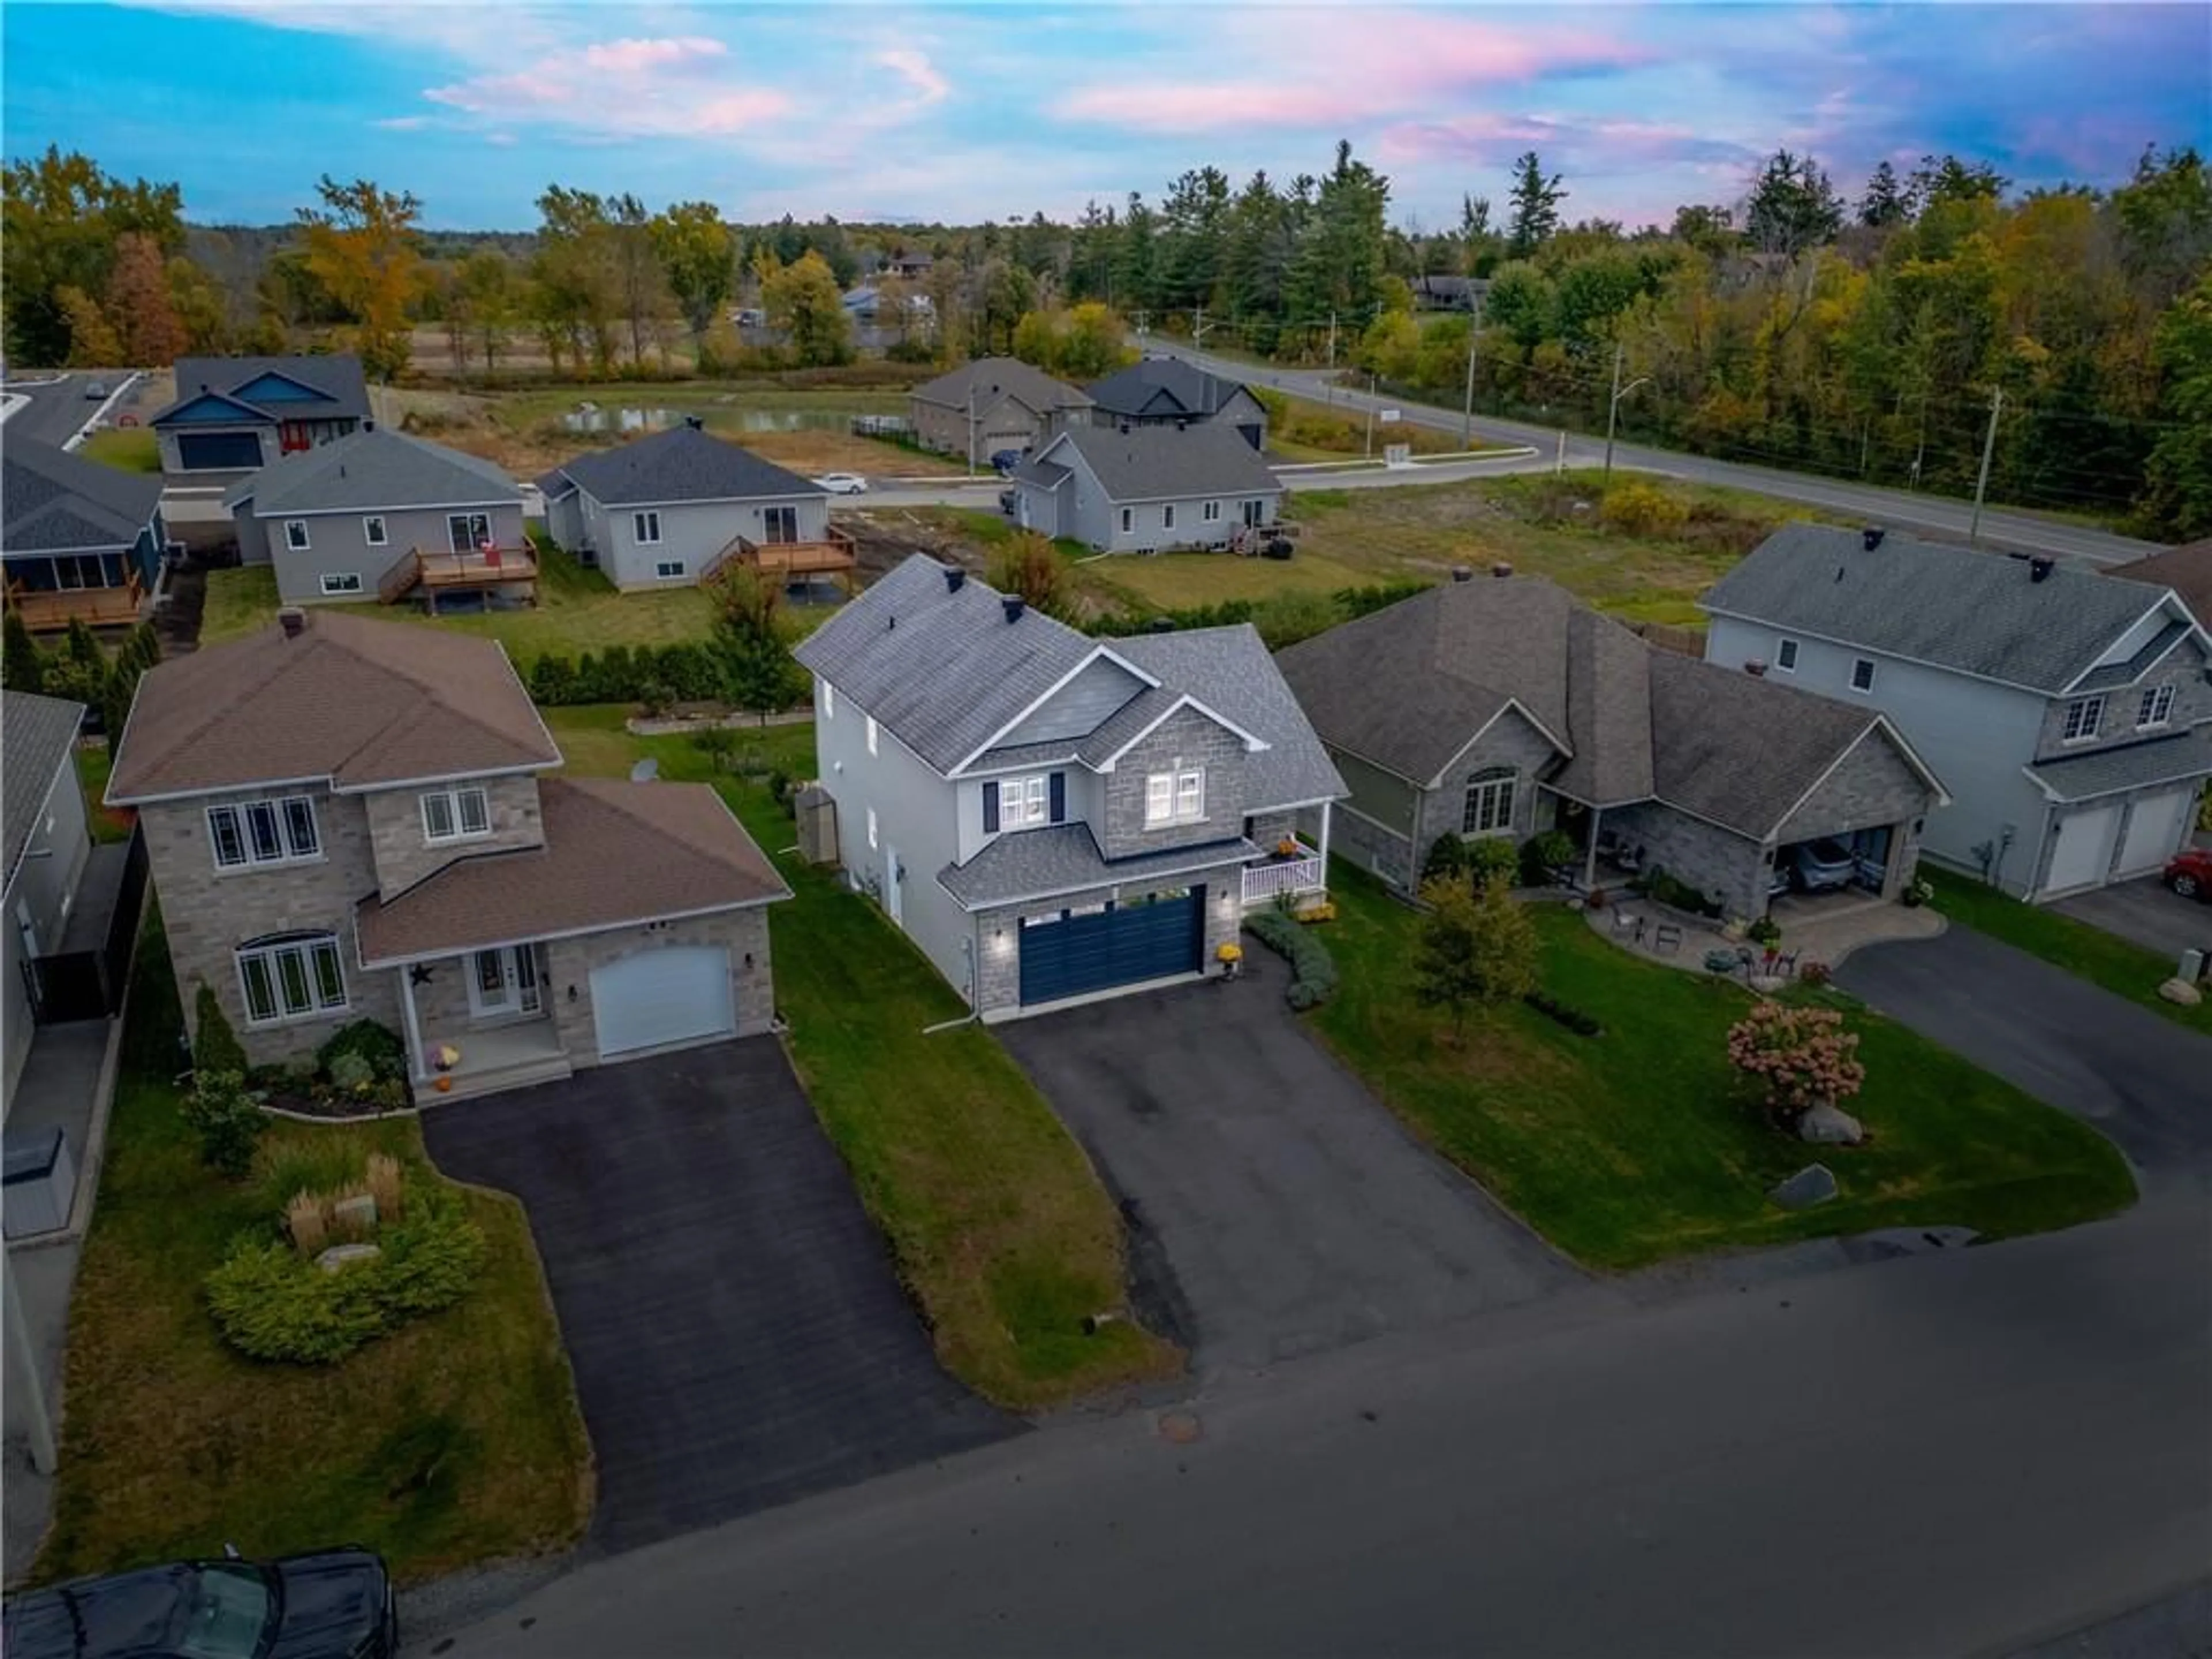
(2143, 1080)
(2144, 912)
(739, 1337)
(1275, 1208)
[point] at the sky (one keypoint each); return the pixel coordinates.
(960, 112)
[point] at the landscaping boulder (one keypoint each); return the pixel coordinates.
(339, 1257)
(357, 1214)
(2181, 991)
(1830, 1125)
(1813, 1184)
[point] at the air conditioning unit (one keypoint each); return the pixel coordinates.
(815, 808)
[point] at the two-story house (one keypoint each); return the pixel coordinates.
(235, 415)
(1049, 816)
(352, 818)
(1169, 391)
(1148, 489)
(2069, 712)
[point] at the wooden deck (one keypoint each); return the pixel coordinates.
(837, 556)
(434, 573)
(47, 610)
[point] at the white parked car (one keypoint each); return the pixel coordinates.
(843, 483)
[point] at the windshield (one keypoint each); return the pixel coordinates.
(224, 1614)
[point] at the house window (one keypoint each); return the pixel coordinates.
(2156, 708)
(338, 584)
(1167, 516)
(2084, 717)
(1022, 803)
(780, 525)
(871, 734)
(1489, 807)
(295, 535)
(646, 527)
(1176, 797)
(372, 531)
(1210, 513)
(455, 815)
(262, 832)
(1128, 519)
(1861, 674)
(828, 701)
(668, 568)
(871, 828)
(291, 976)
(467, 532)
(1785, 656)
(1255, 514)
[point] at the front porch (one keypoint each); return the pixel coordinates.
(1295, 871)
(479, 1022)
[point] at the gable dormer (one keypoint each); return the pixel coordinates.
(274, 388)
(1098, 691)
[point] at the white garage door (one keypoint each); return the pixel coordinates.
(657, 998)
(2084, 852)
(2154, 831)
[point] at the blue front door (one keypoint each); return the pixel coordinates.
(1073, 953)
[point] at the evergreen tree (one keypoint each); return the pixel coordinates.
(1792, 207)
(1887, 201)
(22, 664)
(1536, 212)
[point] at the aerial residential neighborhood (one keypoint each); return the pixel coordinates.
(1265, 830)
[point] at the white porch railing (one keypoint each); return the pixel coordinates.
(1264, 883)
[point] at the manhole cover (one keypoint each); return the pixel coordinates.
(1181, 1427)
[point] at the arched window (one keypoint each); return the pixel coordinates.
(1489, 809)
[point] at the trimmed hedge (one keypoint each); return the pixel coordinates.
(684, 672)
(1312, 970)
(1573, 1018)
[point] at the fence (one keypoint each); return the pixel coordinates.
(73, 985)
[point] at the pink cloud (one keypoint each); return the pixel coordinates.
(915, 68)
(675, 87)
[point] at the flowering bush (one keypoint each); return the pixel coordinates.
(1802, 1056)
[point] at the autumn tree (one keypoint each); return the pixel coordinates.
(1801, 1058)
(489, 289)
(574, 290)
(1029, 567)
(804, 301)
(699, 257)
(1473, 945)
(202, 312)
(139, 307)
(1534, 214)
(60, 226)
(637, 269)
(1092, 345)
(362, 246)
(92, 341)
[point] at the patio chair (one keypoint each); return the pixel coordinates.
(1786, 967)
(1623, 920)
(1668, 938)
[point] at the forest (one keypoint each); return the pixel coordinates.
(1888, 333)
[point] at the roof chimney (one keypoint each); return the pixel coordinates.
(1461, 573)
(1501, 570)
(1013, 606)
(1755, 668)
(955, 578)
(1871, 537)
(2039, 569)
(292, 620)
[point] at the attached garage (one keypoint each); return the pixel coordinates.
(2154, 831)
(2083, 854)
(219, 451)
(1070, 953)
(658, 998)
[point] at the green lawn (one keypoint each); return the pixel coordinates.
(132, 449)
(1640, 1145)
(998, 1223)
(239, 600)
(93, 762)
(2103, 959)
(455, 1440)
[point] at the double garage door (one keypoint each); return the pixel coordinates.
(1073, 952)
(2116, 841)
(219, 451)
(659, 999)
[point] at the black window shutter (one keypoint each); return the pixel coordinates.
(990, 809)
(1059, 788)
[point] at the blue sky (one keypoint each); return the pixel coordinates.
(986, 110)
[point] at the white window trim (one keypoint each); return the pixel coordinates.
(828, 701)
(641, 523)
(336, 584)
(307, 947)
(1491, 799)
(1167, 515)
(1859, 663)
(2092, 724)
(871, 829)
(871, 734)
(2154, 707)
(669, 570)
(1210, 513)
(452, 798)
(289, 848)
(1786, 648)
(373, 530)
(1024, 803)
(296, 538)
(518, 963)
(1172, 787)
(1128, 519)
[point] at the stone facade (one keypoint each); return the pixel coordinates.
(1510, 741)
(1871, 787)
(1366, 843)
(1185, 739)
(569, 962)
(404, 855)
(1268, 828)
(1721, 865)
(997, 932)
(2183, 670)
(442, 1010)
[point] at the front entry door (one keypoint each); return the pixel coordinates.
(503, 982)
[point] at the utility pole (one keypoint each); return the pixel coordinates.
(1988, 449)
(1371, 417)
(1332, 339)
(1466, 414)
(1198, 327)
(971, 427)
(1613, 408)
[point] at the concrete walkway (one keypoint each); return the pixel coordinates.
(1825, 930)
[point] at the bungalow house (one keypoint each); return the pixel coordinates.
(80, 539)
(2070, 711)
(1504, 707)
(994, 403)
(379, 513)
(235, 415)
(1150, 489)
(1169, 391)
(668, 509)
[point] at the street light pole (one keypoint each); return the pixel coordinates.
(1612, 406)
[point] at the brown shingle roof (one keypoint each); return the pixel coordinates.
(615, 853)
(2187, 570)
(358, 702)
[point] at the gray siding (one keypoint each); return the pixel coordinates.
(338, 544)
(1091, 518)
(1374, 826)
(1185, 739)
(564, 523)
(692, 533)
(45, 887)
(1086, 796)
(1048, 511)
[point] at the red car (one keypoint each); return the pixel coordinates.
(2190, 874)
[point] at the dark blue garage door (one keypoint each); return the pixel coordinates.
(1119, 945)
(219, 451)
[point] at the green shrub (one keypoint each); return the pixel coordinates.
(378, 1044)
(1283, 619)
(1447, 857)
(1643, 509)
(1765, 931)
(271, 1302)
(228, 1120)
(1665, 889)
(1490, 857)
(1542, 854)
(216, 1046)
(1312, 970)
(352, 1072)
(1566, 1014)
(1356, 602)
(553, 681)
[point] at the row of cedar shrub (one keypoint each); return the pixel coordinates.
(679, 673)
(1347, 605)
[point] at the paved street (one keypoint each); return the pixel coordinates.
(1962, 1452)
(57, 406)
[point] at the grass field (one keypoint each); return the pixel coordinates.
(456, 1439)
(131, 449)
(997, 1222)
(1639, 1145)
(93, 762)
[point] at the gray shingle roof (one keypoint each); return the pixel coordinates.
(1979, 613)
(993, 377)
(53, 501)
(36, 735)
(2126, 673)
(1163, 463)
(1160, 385)
(1230, 671)
(683, 464)
(2175, 759)
(367, 470)
(337, 376)
(1038, 863)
